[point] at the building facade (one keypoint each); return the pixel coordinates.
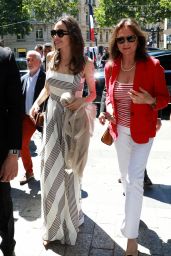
(158, 35)
(40, 33)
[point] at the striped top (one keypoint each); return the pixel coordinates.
(123, 102)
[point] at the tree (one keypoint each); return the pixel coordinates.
(109, 12)
(13, 17)
(17, 16)
(49, 10)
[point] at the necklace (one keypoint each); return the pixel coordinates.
(127, 70)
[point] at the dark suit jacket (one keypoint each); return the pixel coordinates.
(10, 103)
(39, 86)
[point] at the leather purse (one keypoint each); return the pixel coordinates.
(107, 138)
(40, 116)
(39, 119)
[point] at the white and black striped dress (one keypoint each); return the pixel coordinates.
(61, 209)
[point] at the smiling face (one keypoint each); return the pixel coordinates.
(61, 42)
(127, 41)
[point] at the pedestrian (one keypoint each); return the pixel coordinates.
(10, 143)
(147, 180)
(47, 47)
(105, 57)
(32, 84)
(39, 48)
(135, 91)
(60, 180)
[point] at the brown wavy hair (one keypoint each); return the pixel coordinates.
(77, 62)
(141, 53)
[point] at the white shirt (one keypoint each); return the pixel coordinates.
(30, 88)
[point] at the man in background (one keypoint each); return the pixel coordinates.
(10, 143)
(39, 48)
(32, 84)
(47, 47)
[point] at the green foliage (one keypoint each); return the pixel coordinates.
(109, 12)
(16, 16)
(12, 15)
(49, 10)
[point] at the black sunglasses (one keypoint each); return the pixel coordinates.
(129, 39)
(59, 32)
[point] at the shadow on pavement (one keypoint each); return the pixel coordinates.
(27, 203)
(33, 148)
(84, 194)
(149, 239)
(91, 240)
(159, 192)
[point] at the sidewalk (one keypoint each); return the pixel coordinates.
(101, 203)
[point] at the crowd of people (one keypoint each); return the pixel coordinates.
(135, 90)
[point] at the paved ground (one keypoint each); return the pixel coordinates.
(102, 204)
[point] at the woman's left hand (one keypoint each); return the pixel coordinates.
(141, 97)
(75, 104)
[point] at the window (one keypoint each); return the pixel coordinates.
(101, 37)
(94, 2)
(39, 34)
(20, 37)
(168, 38)
(165, 61)
(88, 35)
(107, 36)
(169, 23)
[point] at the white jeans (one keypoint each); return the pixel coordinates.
(132, 159)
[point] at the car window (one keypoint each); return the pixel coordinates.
(22, 64)
(165, 61)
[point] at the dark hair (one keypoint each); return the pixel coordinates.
(141, 53)
(77, 61)
(39, 46)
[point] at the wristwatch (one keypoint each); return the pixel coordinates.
(14, 152)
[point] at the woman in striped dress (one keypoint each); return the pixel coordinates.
(67, 70)
(135, 91)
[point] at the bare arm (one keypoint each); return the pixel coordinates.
(89, 76)
(90, 80)
(44, 94)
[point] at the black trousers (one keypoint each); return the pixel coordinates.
(6, 217)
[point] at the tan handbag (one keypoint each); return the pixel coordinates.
(107, 138)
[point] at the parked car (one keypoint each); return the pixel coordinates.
(22, 65)
(165, 60)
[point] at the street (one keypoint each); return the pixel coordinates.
(102, 200)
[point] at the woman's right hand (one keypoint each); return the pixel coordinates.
(102, 118)
(105, 115)
(34, 110)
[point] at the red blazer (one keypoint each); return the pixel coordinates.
(150, 76)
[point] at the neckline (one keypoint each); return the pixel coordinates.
(127, 70)
(131, 83)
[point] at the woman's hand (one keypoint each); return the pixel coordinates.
(158, 124)
(75, 104)
(105, 115)
(34, 110)
(102, 118)
(9, 169)
(141, 97)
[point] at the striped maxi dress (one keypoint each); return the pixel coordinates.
(61, 209)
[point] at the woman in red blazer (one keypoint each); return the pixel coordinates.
(135, 91)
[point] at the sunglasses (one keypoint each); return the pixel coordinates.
(129, 39)
(59, 32)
